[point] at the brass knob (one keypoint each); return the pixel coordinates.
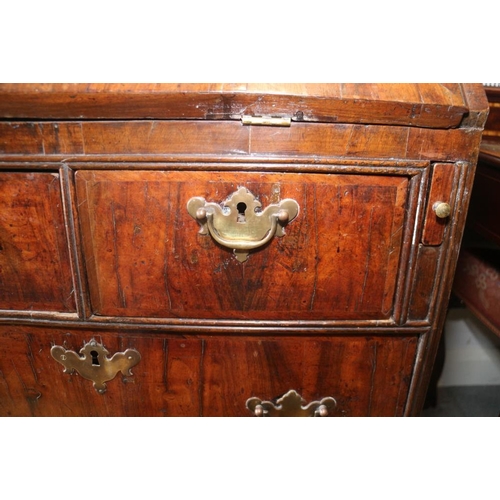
(283, 216)
(201, 213)
(322, 411)
(259, 411)
(441, 209)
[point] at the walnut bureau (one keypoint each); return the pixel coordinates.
(229, 249)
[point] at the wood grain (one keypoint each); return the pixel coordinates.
(425, 278)
(339, 368)
(135, 140)
(32, 383)
(35, 271)
(209, 377)
(350, 303)
(440, 192)
(423, 105)
(146, 258)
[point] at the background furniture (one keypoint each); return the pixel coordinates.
(477, 281)
(224, 249)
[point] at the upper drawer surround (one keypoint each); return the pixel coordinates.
(429, 105)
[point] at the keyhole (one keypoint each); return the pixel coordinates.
(241, 207)
(95, 356)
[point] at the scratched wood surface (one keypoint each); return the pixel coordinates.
(204, 377)
(35, 272)
(153, 139)
(357, 158)
(423, 104)
(338, 259)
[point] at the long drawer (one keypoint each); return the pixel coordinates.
(210, 376)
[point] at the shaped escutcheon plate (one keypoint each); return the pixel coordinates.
(239, 223)
(93, 363)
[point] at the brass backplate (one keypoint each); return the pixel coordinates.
(240, 223)
(290, 405)
(93, 363)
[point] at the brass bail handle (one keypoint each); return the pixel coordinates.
(239, 223)
(291, 404)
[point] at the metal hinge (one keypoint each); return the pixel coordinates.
(273, 121)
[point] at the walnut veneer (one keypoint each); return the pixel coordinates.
(96, 243)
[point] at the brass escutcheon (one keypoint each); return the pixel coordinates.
(94, 365)
(290, 405)
(239, 222)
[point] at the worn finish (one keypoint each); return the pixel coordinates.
(136, 140)
(203, 376)
(427, 105)
(32, 383)
(348, 304)
(366, 376)
(437, 216)
(35, 271)
(93, 363)
(142, 268)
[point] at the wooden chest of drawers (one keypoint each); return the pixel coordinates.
(188, 250)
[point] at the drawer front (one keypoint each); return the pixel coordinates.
(204, 377)
(365, 376)
(35, 272)
(339, 258)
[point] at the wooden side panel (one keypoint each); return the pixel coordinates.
(146, 258)
(366, 376)
(35, 271)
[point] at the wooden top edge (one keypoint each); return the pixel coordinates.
(415, 104)
(416, 93)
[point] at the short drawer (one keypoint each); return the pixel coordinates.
(340, 257)
(35, 271)
(213, 376)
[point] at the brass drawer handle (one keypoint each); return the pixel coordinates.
(290, 405)
(239, 223)
(94, 364)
